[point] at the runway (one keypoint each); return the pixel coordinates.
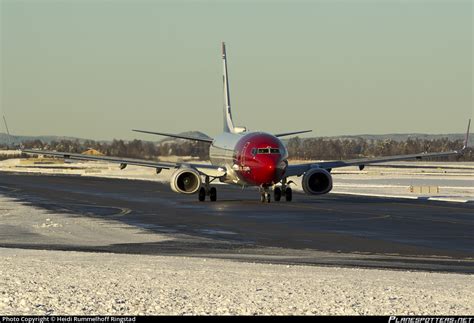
(333, 229)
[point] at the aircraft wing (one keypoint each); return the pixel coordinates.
(206, 169)
(283, 134)
(297, 170)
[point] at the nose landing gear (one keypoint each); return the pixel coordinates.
(265, 197)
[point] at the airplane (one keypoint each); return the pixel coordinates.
(246, 158)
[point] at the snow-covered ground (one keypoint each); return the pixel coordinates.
(58, 283)
(38, 282)
(9, 152)
(454, 180)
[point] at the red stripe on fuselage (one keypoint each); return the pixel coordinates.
(260, 169)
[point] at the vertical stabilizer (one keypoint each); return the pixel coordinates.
(228, 123)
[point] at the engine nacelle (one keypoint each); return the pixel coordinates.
(317, 181)
(185, 181)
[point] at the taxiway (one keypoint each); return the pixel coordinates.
(326, 230)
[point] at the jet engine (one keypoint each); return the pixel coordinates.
(186, 181)
(317, 181)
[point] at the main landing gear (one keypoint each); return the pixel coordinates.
(207, 190)
(278, 193)
(288, 194)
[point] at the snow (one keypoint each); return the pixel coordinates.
(45, 282)
(78, 283)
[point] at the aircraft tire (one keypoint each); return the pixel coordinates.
(288, 194)
(277, 194)
(213, 194)
(202, 194)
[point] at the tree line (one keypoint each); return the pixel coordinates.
(328, 149)
(298, 148)
(131, 149)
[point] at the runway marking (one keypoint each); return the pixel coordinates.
(352, 219)
(376, 216)
(419, 218)
(123, 210)
(11, 189)
(429, 206)
(331, 210)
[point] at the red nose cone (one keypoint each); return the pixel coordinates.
(267, 171)
(260, 159)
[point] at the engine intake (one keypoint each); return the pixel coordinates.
(317, 181)
(185, 181)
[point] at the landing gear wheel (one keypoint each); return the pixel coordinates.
(265, 197)
(202, 194)
(213, 194)
(277, 194)
(288, 194)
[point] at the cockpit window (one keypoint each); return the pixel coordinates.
(254, 151)
(268, 151)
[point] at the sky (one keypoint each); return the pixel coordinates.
(97, 69)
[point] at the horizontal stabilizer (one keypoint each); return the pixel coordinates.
(291, 133)
(175, 136)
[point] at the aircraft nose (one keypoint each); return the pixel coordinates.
(271, 170)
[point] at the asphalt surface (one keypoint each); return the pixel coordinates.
(333, 229)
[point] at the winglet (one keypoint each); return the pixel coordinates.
(8, 132)
(466, 140)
